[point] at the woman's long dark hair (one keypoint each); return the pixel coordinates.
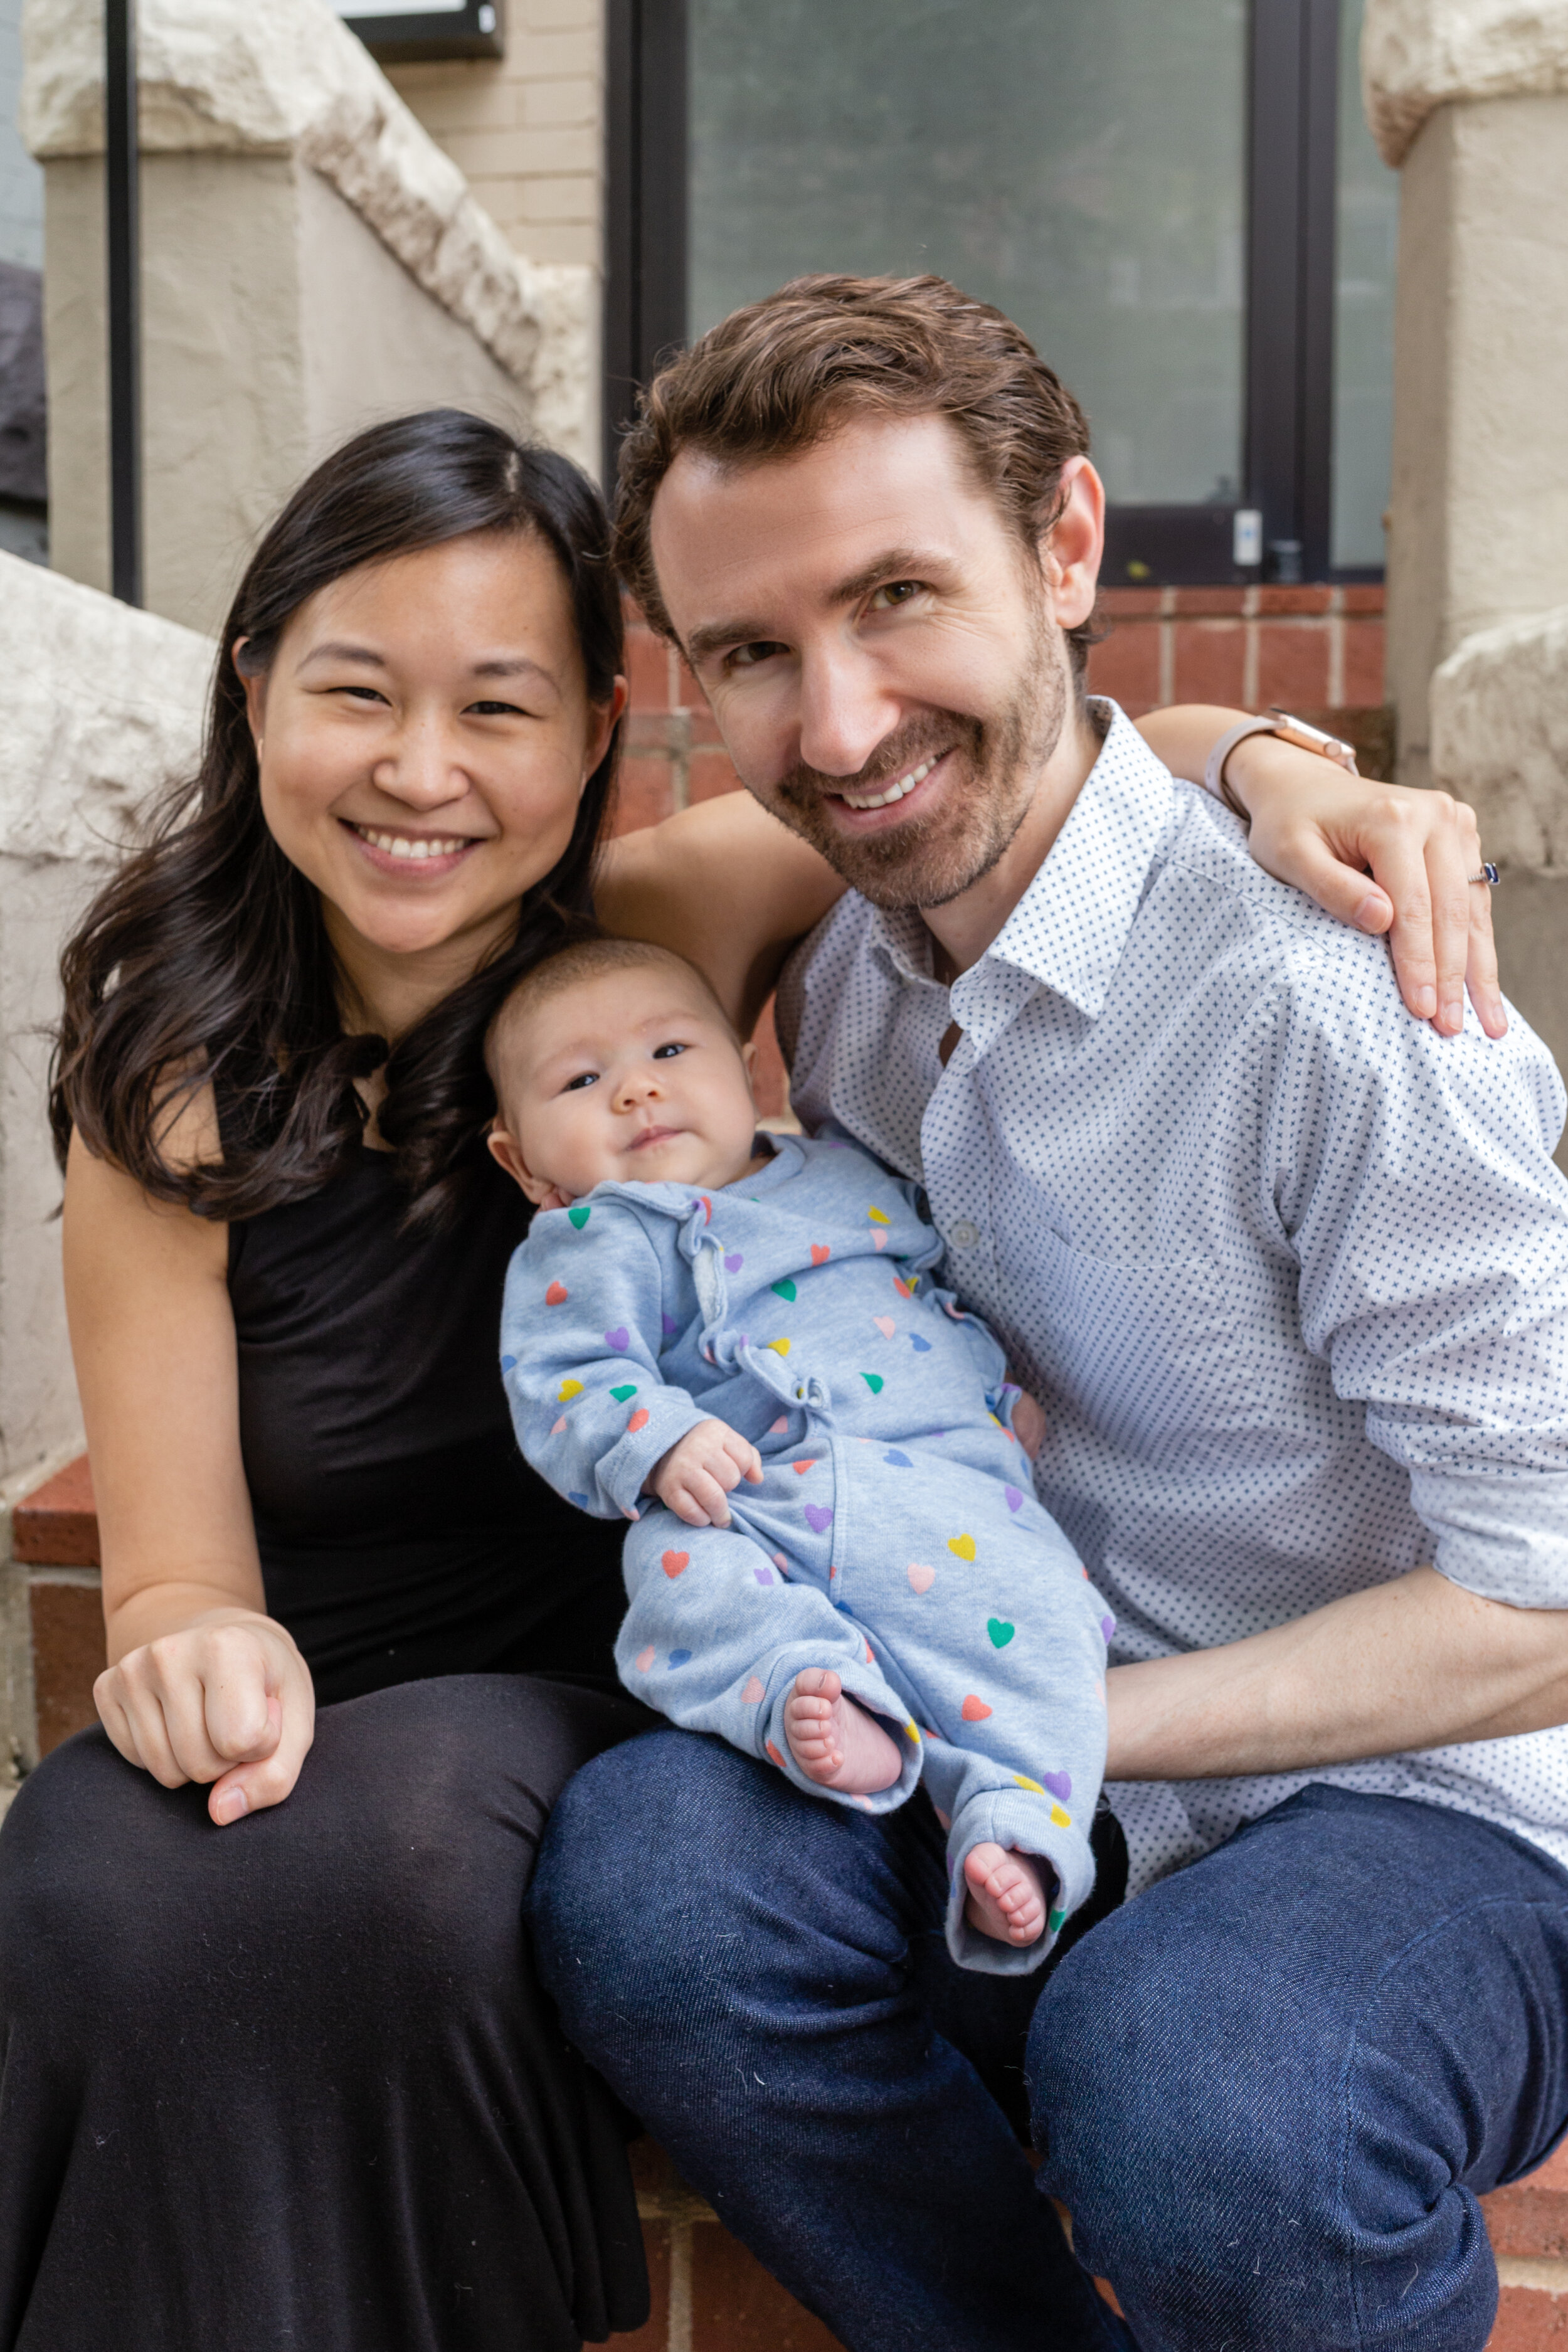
(205, 960)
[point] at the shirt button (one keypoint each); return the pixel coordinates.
(964, 1236)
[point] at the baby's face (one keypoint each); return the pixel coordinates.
(631, 1077)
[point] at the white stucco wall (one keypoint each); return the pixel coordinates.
(310, 260)
(102, 705)
(1470, 99)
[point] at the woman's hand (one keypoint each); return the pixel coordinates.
(1327, 833)
(227, 1700)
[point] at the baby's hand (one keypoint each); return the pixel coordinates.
(696, 1475)
(1028, 1423)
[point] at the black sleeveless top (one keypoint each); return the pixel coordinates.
(401, 1532)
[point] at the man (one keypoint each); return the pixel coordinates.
(1289, 1273)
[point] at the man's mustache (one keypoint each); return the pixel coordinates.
(802, 785)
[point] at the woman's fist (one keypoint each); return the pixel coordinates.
(227, 1701)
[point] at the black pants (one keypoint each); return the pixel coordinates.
(293, 2083)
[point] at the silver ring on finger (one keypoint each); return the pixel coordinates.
(1489, 875)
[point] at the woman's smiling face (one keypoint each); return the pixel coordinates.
(425, 736)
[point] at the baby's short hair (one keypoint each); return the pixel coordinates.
(583, 960)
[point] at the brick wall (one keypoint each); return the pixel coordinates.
(526, 129)
(1315, 650)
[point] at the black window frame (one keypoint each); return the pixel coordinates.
(1292, 153)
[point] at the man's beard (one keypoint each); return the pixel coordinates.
(928, 860)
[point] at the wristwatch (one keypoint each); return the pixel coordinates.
(1290, 730)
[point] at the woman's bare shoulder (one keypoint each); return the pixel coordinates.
(104, 1201)
(724, 884)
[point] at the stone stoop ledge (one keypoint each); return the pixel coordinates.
(1498, 709)
(1500, 736)
(709, 2294)
(289, 78)
(1419, 54)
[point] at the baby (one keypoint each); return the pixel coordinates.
(849, 1573)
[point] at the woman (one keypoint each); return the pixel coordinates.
(296, 2086)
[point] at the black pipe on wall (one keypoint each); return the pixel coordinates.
(123, 244)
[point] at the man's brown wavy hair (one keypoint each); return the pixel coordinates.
(781, 375)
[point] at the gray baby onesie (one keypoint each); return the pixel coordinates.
(896, 1537)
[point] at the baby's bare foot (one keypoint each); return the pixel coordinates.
(1006, 1894)
(834, 1742)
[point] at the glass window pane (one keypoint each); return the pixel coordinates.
(21, 179)
(1082, 167)
(1368, 227)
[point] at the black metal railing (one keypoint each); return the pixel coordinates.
(123, 244)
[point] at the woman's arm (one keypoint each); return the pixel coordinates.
(202, 1684)
(724, 884)
(1323, 832)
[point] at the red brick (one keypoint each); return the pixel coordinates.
(1532, 2216)
(1311, 596)
(648, 669)
(1363, 663)
(56, 1524)
(1213, 600)
(1365, 596)
(1530, 2321)
(1126, 666)
(736, 2305)
(68, 1658)
(645, 791)
(770, 1080)
(1292, 663)
(1553, 2173)
(1525, 2220)
(711, 774)
(1128, 604)
(1210, 661)
(654, 2335)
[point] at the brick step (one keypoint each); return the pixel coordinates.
(710, 2294)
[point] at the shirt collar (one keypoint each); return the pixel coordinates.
(1071, 927)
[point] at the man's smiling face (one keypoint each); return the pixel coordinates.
(884, 656)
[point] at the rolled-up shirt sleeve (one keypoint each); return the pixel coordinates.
(1434, 1279)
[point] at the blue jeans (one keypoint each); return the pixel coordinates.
(1269, 2091)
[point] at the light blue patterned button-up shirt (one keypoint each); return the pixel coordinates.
(1288, 1270)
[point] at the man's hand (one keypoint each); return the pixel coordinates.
(693, 1478)
(228, 1700)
